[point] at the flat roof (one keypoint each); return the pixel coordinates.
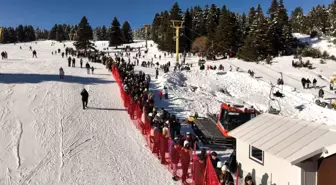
(287, 138)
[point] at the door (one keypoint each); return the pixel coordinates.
(308, 172)
(326, 173)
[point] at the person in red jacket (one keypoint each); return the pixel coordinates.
(185, 161)
(175, 158)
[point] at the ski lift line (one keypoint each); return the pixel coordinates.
(287, 92)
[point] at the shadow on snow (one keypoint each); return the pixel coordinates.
(8, 78)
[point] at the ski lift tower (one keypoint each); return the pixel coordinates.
(177, 24)
(146, 26)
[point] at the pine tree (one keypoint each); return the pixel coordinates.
(273, 10)
(332, 18)
(60, 35)
(104, 33)
(187, 30)
(255, 44)
(20, 34)
(53, 32)
(198, 22)
(84, 34)
(12, 35)
(297, 20)
(115, 36)
(127, 32)
(155, 27)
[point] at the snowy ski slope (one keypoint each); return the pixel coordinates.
(202, 91)
(46, 138)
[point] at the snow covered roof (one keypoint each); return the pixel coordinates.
(287, 138)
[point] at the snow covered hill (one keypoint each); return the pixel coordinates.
(324, 44)
(46, 138)
(204, 91)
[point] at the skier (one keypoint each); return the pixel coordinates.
(156, 73)
(34, 54)
(61, 71)
(85, 97)
(321, 93)
(30, 48)
(69, 61)
(81, 63)
(87, 65)
(303, 81)
(73, 62)
(92, 69)
(62, 54)
(308, 82)
(314, 82)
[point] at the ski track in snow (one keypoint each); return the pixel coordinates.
(18, 145)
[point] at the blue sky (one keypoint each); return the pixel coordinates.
(45, 13)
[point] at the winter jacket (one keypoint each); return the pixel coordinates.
(175, 155)
(226, 178)
(85, 95)
(164, 91)
(163, 144)
(61, 71)
(214, 162)
(185, 157)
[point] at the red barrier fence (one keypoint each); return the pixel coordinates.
(182, 162)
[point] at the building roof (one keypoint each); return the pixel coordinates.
(287, 138)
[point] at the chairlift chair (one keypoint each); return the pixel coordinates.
(271, 109)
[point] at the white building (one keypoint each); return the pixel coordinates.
(284, 151)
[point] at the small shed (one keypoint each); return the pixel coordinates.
(278, 150)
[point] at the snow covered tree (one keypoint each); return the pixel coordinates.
(127, 32)
(332, 18)
(84, 34)
(115, 37)
(273, 10)
(297, 20)
(198, 23)
(255, 45)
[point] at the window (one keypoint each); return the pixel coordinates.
(257, 155)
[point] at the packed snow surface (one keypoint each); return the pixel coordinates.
(204, 91)
(46, 138)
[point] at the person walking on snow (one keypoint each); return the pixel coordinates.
(69, 61)
(87, 65)
(81, 63)
(165, 93)
(85, 97)
(61, 72)
(73, 62)
(92, 69)
(34, 54)
(314, 82)
(321, 93)
(156, 73)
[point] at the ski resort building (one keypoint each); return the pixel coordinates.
(278, 150)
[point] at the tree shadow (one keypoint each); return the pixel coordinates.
(114, 109)
(17, 78)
